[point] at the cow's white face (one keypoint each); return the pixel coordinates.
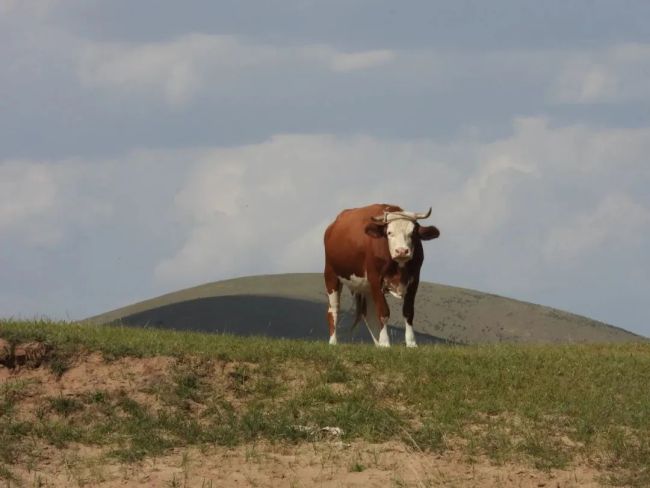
(400, 239)
(398, 228)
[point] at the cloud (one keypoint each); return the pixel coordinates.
(33, 7)
(179, 69)
(617, 73)
(227, 69)
(212, 193)
(361, 60)
(38, 200)
(483, 203)
(27, 190)
(172, 69)
(617, 222)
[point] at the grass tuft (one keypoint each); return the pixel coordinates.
(65, 405)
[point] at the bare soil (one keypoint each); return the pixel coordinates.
(326, 464)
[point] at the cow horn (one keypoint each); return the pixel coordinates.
(418, 216)
(384, 219)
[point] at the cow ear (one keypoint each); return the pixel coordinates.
(375, 230)
(428, 233)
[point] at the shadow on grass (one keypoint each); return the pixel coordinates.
(250, 315)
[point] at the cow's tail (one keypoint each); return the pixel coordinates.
(360, 308)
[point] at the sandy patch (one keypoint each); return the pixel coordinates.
(322, 464)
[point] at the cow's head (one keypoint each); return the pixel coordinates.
(401, 229)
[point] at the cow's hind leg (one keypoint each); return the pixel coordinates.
(333, 286)
(371, 321)
(377, 320)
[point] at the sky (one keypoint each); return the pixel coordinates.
(154, 145)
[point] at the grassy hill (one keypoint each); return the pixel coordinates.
(294, 305)
(90, 405)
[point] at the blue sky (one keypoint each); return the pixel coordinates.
(148, 146)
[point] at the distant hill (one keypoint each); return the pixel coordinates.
(294, 306)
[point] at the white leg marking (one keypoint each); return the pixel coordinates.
(333, 309)
(409, 335)
(384, 340)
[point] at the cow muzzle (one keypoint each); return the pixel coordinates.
(402, 254)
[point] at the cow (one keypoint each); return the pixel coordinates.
(373, 250)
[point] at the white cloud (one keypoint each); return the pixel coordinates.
(483, 203)
(180, 69)
(361, 60)
(617, 73)
(38, 200)
(212, 193)
(172, 68)
(33, 7)
(617, 222)
(27, 190)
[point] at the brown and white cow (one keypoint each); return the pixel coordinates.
(373, 250)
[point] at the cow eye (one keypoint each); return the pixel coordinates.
(390, 233)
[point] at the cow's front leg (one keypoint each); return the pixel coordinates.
(383, 314)
(408, 310)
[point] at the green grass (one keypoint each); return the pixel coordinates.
(546, 406)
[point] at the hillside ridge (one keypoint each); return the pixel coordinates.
(293, 305)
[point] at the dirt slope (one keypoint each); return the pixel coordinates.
(328, 462)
